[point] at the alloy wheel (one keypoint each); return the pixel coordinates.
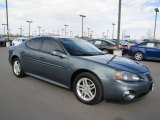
(17, 68)
(86, 89)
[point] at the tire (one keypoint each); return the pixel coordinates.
(105, 51)
(138, 56)
(87, 88)
(17, 68)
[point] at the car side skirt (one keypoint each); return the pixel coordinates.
(47, 80)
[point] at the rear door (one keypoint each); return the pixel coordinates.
(157, 45)
(151, 51)
(31, 55)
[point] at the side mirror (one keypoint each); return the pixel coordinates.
(59, 54)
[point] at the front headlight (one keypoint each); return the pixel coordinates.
(123, 75)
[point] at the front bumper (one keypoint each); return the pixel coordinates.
(127, 90)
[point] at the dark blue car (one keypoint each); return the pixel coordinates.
(146, 50)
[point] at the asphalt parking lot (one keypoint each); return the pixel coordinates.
(31, 99)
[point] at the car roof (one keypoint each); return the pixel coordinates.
(57, 37)
(107, 40)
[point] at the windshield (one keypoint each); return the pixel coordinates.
(78, 47)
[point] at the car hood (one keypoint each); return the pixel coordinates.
(118, 63)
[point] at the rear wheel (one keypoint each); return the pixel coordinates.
(87, 88)
(138, 56)
(17, 68)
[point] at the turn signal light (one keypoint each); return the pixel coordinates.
(119, 76)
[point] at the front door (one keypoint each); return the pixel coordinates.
(53, 67)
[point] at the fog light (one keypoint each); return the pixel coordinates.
(128, 95)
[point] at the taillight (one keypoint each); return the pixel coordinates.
(115, 47)
(123, 47)
(129, 47)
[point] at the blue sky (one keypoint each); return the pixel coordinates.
(137, 16)
(151, 3)
(2, 6)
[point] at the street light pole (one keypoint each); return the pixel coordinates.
(43, 31)
(83, 16)
(39, 27)
(119, 22)
(70, 33)
(107, 33)
(29, 26)
(7, 20)
(103, 35)
(88, 32)
(65, 29)
(91, 35)
(4, 28)
(62, 31)
(113, 31)
(156, 10)
(20, 31)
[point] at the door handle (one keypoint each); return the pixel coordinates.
(23, 52)
(41, 58)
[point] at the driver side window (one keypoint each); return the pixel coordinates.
(50, 45)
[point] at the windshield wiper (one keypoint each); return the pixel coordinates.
(84, 54)
(97, 53)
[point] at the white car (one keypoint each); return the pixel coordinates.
(18, 41)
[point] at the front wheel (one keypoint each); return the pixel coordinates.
(87, 88)
(17, 68)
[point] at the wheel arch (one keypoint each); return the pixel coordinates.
(140, 52)
(14, 57)
(81, 71)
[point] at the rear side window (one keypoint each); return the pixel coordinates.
(158, 45)
(91, 41)
(50, 45)
(35, 43)
(142, 44)
(109, 43)
(151, 45)
(98, 42)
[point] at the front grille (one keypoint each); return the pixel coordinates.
(149, 77)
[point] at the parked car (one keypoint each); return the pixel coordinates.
(106, 46)
(116, 42)
(81, 67)
(146, 50)
(18, 41)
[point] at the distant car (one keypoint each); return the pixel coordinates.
(146, 50)
(116, 42)
(78, 65)
(106, 46)
(18, 41)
